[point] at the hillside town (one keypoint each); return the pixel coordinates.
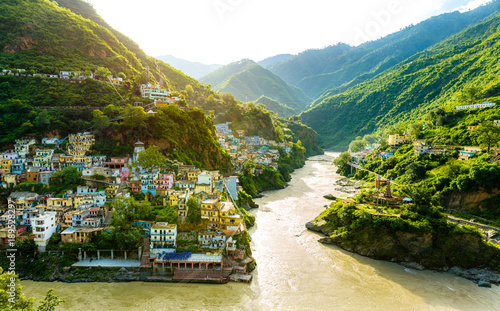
(243, 148)
(216, 250)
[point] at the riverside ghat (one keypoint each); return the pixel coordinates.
(164, 265)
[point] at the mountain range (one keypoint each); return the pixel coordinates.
(247, 80)
(192, 69)
(439, 77)
(357, 90)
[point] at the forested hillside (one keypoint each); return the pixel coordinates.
(48, 36)
(246, 79)
(336, 68)
(273, 105)
(438, 77)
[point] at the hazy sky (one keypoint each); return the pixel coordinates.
(223, 31)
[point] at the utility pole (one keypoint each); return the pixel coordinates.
(378, 184)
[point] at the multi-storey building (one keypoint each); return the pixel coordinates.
(164, 182)
(77, 217)
(33, 175)
(22, 146)
(42, 158)
(230, 221)
(210, 211)
(98, 160)
(396, 139)
(163, 238)
(211, 239)
(43, 226)
(148, 183)
(45, 177)
(182, 199)
(80, 143)
(18, 166)
(154, 93)
(6, 165)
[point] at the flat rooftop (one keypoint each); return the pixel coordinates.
(108, 263)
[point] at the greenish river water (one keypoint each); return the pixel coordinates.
(294, 271)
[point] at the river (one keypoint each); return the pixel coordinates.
(294, 271)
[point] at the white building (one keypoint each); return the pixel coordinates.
(212, 239)
(43, 226)
(138, 147)
(481, 105)
(91, 222)
(99, 200)
(163, 237)
(22, 146)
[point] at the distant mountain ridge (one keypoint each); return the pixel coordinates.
(436, 77)
(273, 105)
(192, 69)
(246, 79)
(270, 61)
(336, 68)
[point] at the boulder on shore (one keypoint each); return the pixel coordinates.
(330, 197)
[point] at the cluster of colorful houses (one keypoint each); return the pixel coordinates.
(242, 148)
(63, 74)
(82, 214)
(420, 147)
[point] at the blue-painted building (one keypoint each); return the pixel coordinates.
(232, 186)
(148, 183)
(145, 226)
(18, 166)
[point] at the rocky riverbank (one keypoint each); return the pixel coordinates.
(447, 248)
(348, 186)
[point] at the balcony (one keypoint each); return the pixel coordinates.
(163, 234)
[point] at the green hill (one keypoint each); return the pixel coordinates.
(48, 36)
(43, 36)
(438, 77)
(336, 68)
(246, 79)
(273, 105)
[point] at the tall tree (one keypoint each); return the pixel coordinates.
(487, 134)
(42, 121)
(152, 158)
(194, 211)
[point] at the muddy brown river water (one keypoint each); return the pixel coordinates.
(294, 271)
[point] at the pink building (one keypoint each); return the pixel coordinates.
(124, 174)
(164, 182)
(10, 155)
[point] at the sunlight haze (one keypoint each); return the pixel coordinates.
(223, 31)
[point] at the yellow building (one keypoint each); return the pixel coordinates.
(80, 200)
(7, 165)
(203, 188)
(192, 175)
(396, 139)
(230, 221)
(210, 211)
(80, 143)
(59, 202)
(79, 235)
(171, 199)
(111, 191)
(10, 180)
(85, 160)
